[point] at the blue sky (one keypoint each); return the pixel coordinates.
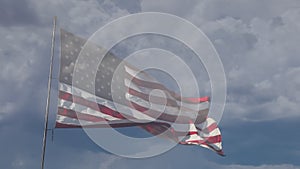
(257, 41)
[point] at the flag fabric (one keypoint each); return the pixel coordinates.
(91, 101)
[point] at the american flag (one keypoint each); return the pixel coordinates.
(104, 98)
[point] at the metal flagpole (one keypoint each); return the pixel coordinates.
(48, 96)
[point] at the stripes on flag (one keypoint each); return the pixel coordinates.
(168, 117)
(206, 134)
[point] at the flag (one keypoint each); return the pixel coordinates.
(103, 98)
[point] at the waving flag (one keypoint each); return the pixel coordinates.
(88, 101)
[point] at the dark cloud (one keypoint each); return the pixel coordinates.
(132, 6)
(257, 42)
(17, 13)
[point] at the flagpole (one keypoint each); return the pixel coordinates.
(48, 96)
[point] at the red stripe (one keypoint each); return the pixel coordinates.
(161, 116)
(197, 100)
(153, 85)
(209, 129)
(193, 141)
(155, 114)
(156, 100)
(62, 125)
(220, 152)
(210, 140)
(165, 117)
(95, 106)
(214, 139)
(114, 125)
(170, 102)
(79, 116)
(192, 133)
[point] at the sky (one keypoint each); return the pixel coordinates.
(257, 42)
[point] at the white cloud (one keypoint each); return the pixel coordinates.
(80, 17)
(6, 108)
(180, 8)
(25, 49)
(259, 51)
(256, 48)
(259, 47)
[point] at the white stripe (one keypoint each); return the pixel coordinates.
(217, 146)
(215, 132)
(193, 107)
(124, 109)
(157, 107)
(205, 146)
(132, 112)
(144, 77)
(72, 121)
(209, 121)
(146, 90)
(139, 75)
(84, 110)
(184, 112)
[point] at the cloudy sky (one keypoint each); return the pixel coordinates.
(258, 43)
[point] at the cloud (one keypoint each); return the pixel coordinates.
(259, 53)
(132, 6)
(77, 16)
(212, 10)
(179, 8)
(258, 49)
(169, 161)
(24, 61)
(23, 58)
(17, 13)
